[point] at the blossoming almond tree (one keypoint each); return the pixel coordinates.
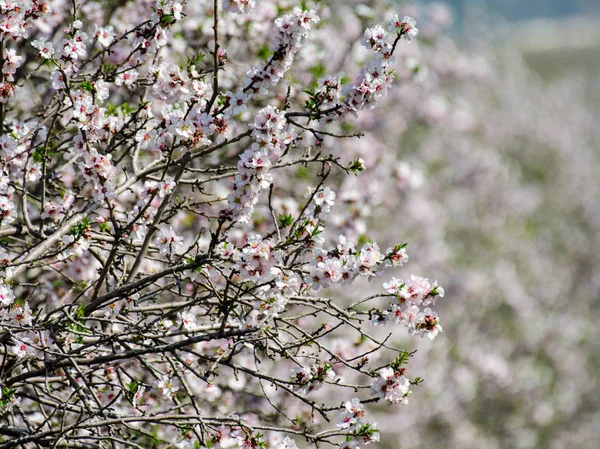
(157, 289)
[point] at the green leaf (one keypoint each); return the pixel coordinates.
(126, 108)
(132, 386)
(111, 109)
(167, 19)
(7, 395)
(108, 67)
(38, 154)
(80, 228)
(417, 381)
(87, 85)
(285, 220)
(357, 166)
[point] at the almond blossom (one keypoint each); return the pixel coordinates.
(391, 386)
(177, 228)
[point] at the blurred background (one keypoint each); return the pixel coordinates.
(491, 138)
(524, 10)
(553, 35)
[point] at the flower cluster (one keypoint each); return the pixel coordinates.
(352, 415)
(7, 296)
(172, 84)
(16, 19)
(311, 378)
(410, 297)
(352, 418)
(391, 385)
(373, 82)
(258, 258)
(253, 175)
(345, 263)
(291, 30)
(407, 27)
(167, 240)
(17, 315)
(99, 171)
(7, 210)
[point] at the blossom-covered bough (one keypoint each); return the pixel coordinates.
(164, 197)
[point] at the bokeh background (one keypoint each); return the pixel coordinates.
(492, 142)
